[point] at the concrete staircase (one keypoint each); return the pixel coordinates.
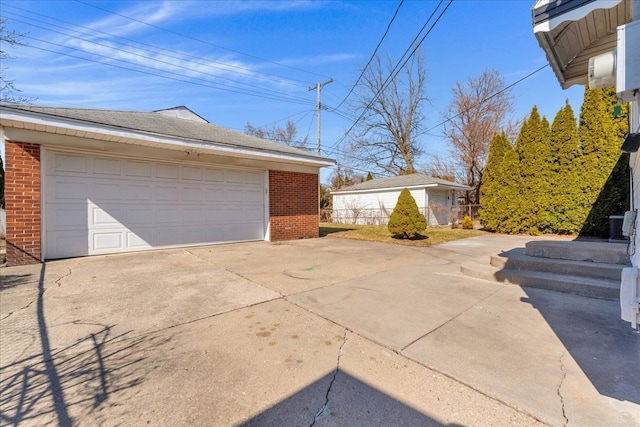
(587, 268)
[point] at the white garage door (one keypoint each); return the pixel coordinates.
(97, 204)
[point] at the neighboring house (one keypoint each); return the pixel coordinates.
(573, 32)
(371, 202)
(84, 182)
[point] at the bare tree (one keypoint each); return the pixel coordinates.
(439, 167)
(391, 107)
(287, 135)
(477, 111)
(8, 91)
(343, 177)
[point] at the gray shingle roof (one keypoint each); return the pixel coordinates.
(166, 125)
(402, 181)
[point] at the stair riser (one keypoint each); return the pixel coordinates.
(607, 255)
(560, 286)
(610, 272)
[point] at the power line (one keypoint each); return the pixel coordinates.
(276, 78)
(488, 98)
(396, 69)
(375, 51)
(196, 39)
(161, 62)
(210, 85)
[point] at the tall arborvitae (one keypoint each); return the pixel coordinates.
(605, 186)
(535, 172)
(499, 195)
(566, 194)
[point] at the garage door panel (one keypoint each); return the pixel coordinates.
(69, 243)
(108, 241)
(141, 239)
(100, 204)
(191, 173)
(140, 192)
(214, 175)
(168, 216)
(138, 169)
(254, 214)
(106, 218)
(214, 195)
(254, 178)
(166, 193)
(64, 216)
(106, 166)
(192, 194)
(235, 177)
(63, 162)
(69, 188)
(253, 196)
(140, 216)
(167, 171)
(191, 215)
(105, 190)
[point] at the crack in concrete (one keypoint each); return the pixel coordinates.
(40, 294)
(558, 390)
(324, 409)
(59, 280)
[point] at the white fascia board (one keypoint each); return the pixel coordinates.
(572, 15)
(61, 125)
(410, 187)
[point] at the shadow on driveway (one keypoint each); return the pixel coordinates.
(605, 347)
(349, 401)
(84, 375)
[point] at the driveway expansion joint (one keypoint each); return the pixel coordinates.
(475, 304)
(324, 410)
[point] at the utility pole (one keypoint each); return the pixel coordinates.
(318, 87)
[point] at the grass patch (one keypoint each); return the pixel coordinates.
(380, 233)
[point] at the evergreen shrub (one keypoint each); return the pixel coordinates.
(406, 221)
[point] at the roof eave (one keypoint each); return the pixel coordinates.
(455, 187)
(72, 127)
(554, 18)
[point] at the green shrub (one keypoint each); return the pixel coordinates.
(406, 221)
(467, 223)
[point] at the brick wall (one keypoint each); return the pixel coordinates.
(293, 205)
(22, 202)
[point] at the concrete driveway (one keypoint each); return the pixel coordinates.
(323, 332)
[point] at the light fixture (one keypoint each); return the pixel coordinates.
(631, 143)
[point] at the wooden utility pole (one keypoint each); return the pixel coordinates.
(318, 87)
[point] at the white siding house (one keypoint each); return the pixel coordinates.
(573, 32)
(371, 202)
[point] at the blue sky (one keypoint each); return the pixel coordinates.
(234, 62)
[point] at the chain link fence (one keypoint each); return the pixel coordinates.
(435, 215)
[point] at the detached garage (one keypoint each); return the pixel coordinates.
(86, 182)
(373, 201)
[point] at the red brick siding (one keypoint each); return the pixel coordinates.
(293, 205)
(22, 202)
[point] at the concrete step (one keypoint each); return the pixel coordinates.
(588, 287)
(517, 259)
(599, 251)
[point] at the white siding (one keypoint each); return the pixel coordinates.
(634, 162)
(371, 207)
